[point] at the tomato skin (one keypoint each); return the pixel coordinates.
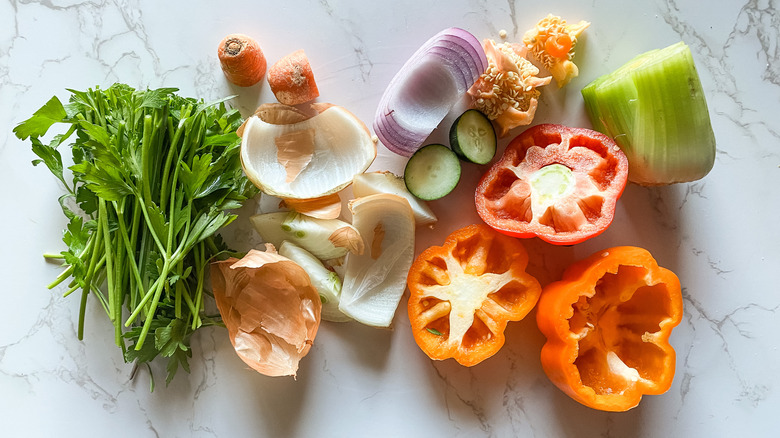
(508, 202)
(463, 294)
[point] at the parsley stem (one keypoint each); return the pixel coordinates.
(146, 146)
(109, 252)
(138, 308)
(172, 149)
(200, 269)
(153, 307)
(135, 279)
(71, 268)
(149, 226)
(62, 277)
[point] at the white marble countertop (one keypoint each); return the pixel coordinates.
(720, 234)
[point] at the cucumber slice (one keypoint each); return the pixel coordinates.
(432, 172)
(473, 137)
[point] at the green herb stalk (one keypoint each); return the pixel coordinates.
(155, 176)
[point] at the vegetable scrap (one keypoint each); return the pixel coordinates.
(242, 60)
(278, 146)
(324, 207)
(558, 183)
(463, 294)
(325, 280)
(327, 239)
(375, 280)
(154, 178)
(473, 138)
(292, 80)
(426, 88)
(270, 309)
(372, 183)
(655, 109)
(552, 42)
(507, 90)
(432, 172)
(607, 324)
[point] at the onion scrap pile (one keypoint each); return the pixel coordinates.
(305, 153)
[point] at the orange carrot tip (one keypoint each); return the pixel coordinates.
(241, 60)
(292, 80)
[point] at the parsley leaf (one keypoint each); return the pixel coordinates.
(40, 122)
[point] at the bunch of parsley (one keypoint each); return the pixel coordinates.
(154, 177)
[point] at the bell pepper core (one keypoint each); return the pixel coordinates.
(607, 324)
(462, 294)
(558, 183)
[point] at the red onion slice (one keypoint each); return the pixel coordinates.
(425, 89)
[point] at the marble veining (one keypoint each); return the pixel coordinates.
(718, 234)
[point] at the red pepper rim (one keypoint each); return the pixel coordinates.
(501, 201)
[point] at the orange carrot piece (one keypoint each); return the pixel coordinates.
(242, 60)
(292, 80)
(559, 46)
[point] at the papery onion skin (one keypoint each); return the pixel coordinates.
(453, 51)
(270, 309)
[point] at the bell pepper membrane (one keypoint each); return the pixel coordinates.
(463, 293)
(558, 183)
(607, 324)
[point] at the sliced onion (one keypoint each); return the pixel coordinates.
(295, 158)
(375, 280)
(327, 282)
(324, 207)
(325, 238)
(372, 183)
(425, 89)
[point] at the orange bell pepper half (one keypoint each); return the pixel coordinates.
(607, 324)
(558, 183)
(463, 293)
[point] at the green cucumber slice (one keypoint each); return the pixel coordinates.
(432, 172)
(473, 137)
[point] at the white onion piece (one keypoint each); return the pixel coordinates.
(325, 238)
(372, 183)
(425, 89)
(375, 280)
(327, 282)
(338, 145)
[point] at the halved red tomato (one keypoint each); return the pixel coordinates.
(555, 182)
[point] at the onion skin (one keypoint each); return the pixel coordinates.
(463, 57)
(270, 309)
